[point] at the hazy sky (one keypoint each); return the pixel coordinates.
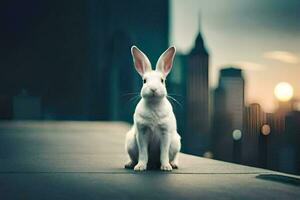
(260, 36)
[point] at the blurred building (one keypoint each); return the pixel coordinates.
(284, 141)
(189, 84)
(284, 107)
(228, 114)
(76, 56)
(232, 81)
(271, 140)
(255, 118)
(197, 98)
(253, 142)
(176, 85)
(289, 156)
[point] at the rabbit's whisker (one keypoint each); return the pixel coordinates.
(135, 98)
(173, 94)
(172, 98)
(130, 93)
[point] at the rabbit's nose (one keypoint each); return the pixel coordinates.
(153, 89)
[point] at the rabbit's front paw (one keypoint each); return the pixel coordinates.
(140, 167)
(174, 165)
(166, 167)
(129, 165)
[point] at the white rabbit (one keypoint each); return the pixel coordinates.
(153, 138)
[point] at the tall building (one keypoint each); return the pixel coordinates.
(228, 113)
(254, 142)
(232, 81)
(290, 159)
(197, 98)
(284, 107)
(176, 85)
(284, 144)
(270, 140)
(254, 118)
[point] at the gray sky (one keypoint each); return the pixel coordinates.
(262, 37)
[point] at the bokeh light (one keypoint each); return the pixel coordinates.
(237, 134)
(283, 91)
(265, 129)
(208, 154)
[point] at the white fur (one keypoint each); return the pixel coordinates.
(153, 137)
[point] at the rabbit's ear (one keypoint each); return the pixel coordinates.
(165, 61)
(141, 62)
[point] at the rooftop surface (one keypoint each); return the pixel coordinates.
(84, 160)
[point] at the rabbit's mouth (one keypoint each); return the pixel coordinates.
(154, 95)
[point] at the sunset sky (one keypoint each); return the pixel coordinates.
(261, 37)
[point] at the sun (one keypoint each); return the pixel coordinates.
(283, 91)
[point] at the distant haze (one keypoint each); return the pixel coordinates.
(261, 37)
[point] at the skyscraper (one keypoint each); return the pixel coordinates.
(197, 98)
(228, 112)
(254, 143)
(232, 81)
(255, 118)
(176, 86)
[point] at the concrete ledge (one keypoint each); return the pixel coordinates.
(84, 160)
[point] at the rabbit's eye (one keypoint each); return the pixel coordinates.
(144, 80)
(162, 80)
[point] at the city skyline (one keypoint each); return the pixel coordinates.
(259, 37)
